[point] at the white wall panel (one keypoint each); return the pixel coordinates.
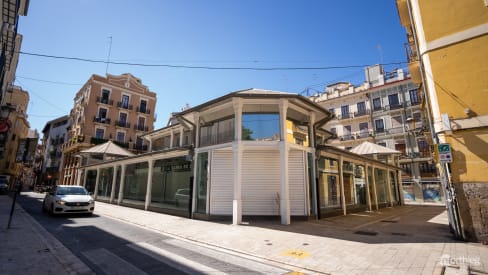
(221, 183)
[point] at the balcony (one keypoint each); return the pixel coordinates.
(345, 116)
(141, 127)
(143, 110)
(96, 141)
(103, 120)
(123, 105)
(122, 123)
(362, 113)
(122, 144)
(105, 101)
(139, 147)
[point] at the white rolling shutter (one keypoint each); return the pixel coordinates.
(221, 183)
(261, 182)
(297, 180)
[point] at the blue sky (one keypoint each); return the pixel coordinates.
(213, 33)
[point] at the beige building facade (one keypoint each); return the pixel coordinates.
(116, 107)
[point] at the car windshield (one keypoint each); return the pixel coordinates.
(72, 190)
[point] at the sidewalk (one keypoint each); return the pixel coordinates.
(27, 248)
(367, 243)
(404, 240)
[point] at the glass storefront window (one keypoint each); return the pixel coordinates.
(117, 182)
(202, 172)
(393, 186)
(360, 185)
(381, 185)
(329, 185)
(105, 183)
(91, 180)
(135, 184)
(171, 180)
(260, 126)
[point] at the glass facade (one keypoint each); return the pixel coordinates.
(135, 183)
(91, 180)
(171, 183)
(260, 126)
(202, 177)
(117, 182)
(329, 185)
(217, 132)
(381, 185)
(104, 188)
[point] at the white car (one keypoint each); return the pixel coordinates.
(68, 199)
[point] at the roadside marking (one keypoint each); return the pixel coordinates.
(295, 273)
(299, 254)
(111, 263)
(171, 258)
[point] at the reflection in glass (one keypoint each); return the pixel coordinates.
(91, 180)
(202, 170)
(329, 185)
(260, 127)
(135, 184)
(171, 183)
(105, 183)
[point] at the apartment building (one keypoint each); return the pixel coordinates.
(386, 110)
(17, 129)
(447, 53)
(116, 107)
(55, 134)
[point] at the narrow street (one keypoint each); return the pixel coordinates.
(109, 246)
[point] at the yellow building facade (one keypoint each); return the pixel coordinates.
(448, 55)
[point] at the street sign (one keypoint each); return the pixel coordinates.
(445, 154)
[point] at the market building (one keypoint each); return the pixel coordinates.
(248, 153)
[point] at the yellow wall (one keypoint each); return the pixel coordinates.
(470, 155)
(441, 18)
(460, 73)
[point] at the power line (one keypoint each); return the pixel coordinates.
(48, 81)
(206, 67)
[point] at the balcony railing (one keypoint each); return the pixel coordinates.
(104, 120)
(139, 147)
(361, 113)
(122, 123)
(122, 105)
(105, 101)
(345, 116)
(143, 110)
(140, 127)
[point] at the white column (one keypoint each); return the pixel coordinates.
(172, 137)
(84, 178)
(341, 181)
(122, 182)
(149, 145)
(284, 151)
(237, 149)
(182, 131)
(96, 183)
(196, 142)
(311, 143)
(149, 184)
(114, 180)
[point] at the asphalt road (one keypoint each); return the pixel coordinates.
(110, 246)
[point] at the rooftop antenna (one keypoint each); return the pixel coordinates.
(108, 57)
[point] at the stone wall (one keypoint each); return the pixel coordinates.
(473, 206)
